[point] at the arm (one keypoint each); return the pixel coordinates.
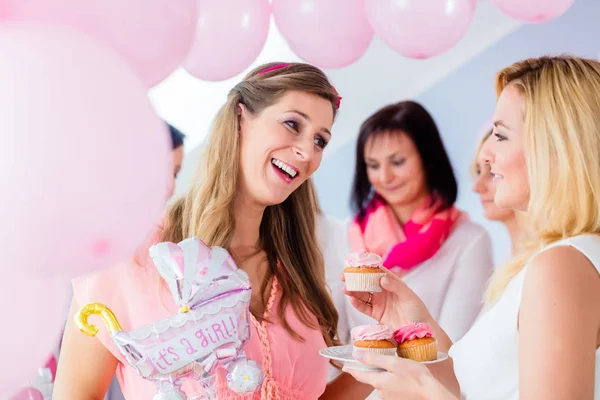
(403, 379)
(558, 326)
(347, 388)
(464, 296)
(85, 367)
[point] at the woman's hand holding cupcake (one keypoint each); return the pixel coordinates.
(399, 308)
(396, 305)
(403, 375)
(403, 380)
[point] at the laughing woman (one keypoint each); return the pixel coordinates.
(252, 196)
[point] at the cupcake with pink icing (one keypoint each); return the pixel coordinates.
(374, 338)
(416, 342)
(363, 272)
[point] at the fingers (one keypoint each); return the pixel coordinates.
(362, 296)
(359, 301)
(391, 282)
(362, 307)
(373, 379)
(389, 363)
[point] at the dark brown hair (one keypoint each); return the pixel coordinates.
(412, 119)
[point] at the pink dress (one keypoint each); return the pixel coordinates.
(134, 292)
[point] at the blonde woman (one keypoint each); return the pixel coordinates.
(253, 196)
(485, 188)
(540, 336)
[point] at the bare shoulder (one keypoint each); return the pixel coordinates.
(562, 275)
(561, 293)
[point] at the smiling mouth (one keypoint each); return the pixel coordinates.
(285, 170)
(391, 189)
(496, 176)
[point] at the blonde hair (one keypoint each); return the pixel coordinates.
(562, 149)
(287, 230)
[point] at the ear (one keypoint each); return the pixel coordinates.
(241, 110)
(242, 114)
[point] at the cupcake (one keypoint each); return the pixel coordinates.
(363, 272)
(374, 338)
(416, 342)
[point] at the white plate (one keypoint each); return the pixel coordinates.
(344, 354)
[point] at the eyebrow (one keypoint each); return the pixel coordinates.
(502, 124)
(398, 153)
(305, 116)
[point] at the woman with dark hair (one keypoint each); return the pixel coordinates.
(403, 194)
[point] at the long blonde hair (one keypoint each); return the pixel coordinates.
(287, 230)
(562, 152)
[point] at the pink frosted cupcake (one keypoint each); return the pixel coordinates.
(363, 272)
(374, 338)
(416, 342)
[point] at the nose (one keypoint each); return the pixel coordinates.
(486, 155)
(385, 174)
(305, 149)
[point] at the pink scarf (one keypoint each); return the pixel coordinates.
(405, 246)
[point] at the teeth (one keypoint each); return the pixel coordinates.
(284, 167)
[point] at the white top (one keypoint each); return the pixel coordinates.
(486, 360)
(332, 234)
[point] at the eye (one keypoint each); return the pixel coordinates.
(320, 142)
(499, 137)
(372, 166)
(292, 124)
(398, 162)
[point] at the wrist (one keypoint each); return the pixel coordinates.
(435, 390)
(443, 340)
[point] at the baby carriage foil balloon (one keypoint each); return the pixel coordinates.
(209, 330)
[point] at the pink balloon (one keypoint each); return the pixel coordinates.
(152, 35)
(326, 33)
(533, 11)
(420, 28)
(84, 161)
(229, 36)
(32, 323)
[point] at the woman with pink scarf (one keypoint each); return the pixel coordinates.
(403, 193)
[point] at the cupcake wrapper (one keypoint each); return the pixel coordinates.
(363, 282)
(390, 351)
(424, 352)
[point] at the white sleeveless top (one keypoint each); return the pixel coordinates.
(486, 359)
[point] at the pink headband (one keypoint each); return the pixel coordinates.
(283, 65)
